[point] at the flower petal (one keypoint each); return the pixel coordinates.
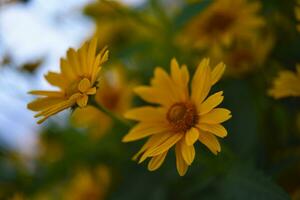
(91, 91)
(216, 116)
(156, 161)
(216, 129)
(217, 73)
(191, 136)
(210, 103)
(84, 85)
(82, 101)
(180, 163)
(201, 83)
(188, 152)
(166, 145)
(152, 142)
(142, 130)
(210, 141)
(43, 103)
(152, 95)
(146, 113)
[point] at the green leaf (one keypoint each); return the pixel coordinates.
(247, 183)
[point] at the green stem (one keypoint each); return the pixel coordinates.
(109, 113)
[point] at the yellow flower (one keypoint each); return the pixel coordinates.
(114, 24)
(180, 119)
(286, 84)
(297, 12)
(245, 56)
(223, 22)
(88, 184)
(76, 81)
(117, 98)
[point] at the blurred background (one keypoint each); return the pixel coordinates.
(71, 157)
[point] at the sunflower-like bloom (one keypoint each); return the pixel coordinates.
(179, 119)
(286, 84)
(116, 98)
(76, 81)
(245, 57)
(88, 184)
(223, 22)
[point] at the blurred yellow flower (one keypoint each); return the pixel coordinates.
(297, 12)
(17, 196)
(114, 26)
(180, 119)
(76, 81)
(117, 98)
(286, 84)
(88, 184)
(245, 56)
(223, 22)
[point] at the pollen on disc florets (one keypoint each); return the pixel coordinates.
(182, 116)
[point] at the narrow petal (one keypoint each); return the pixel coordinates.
(201, 83)
(91, 55)
(210, 141)
(216, 129)
(83, 58)
(157, 161)
(217, 73)
(142, 130)
(51, 94)
(67, 71)
(84, 85)
(43, 103)
(152, 95)
(73, 59)
(216, 116)
(185, 75)
(146, 113)
(191, 136)
(82, 101)
(180, 163)
(175, 71)
(56, 79)
(163, 82)
(166, 145)
(54, 109)
(188, 152)
(91, 91)
(210, 103)
(153, 141)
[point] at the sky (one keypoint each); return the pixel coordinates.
(39, 29)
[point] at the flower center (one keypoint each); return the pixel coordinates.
(182, 116)
(219, 22)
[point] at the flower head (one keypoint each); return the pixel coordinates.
(223, 22)
(286, 84)
(88, 184)
(247, 56)
(179, 119)
(116, 98)
(76, 81)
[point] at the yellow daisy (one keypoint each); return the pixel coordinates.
(286, 84)
(179, 119)
(246, 56)
(116, 98)
(76, 81)
(88, 184)
(223, 22)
